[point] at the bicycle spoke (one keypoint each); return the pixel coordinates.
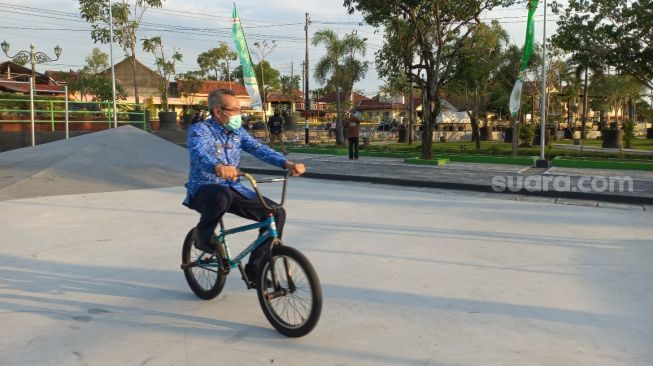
(294, 308)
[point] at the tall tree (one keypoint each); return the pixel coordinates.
(439, 29)
(97, 61)
(555, 71)
(340, 66)
(576, 35)
(165, 65)
(126, 21)
(616, 91)
(192, 84)
(504, 79)
(216, 60)
(289, 84)
(475, 67)
(98, 87)
(394, 61)
(271, 74)
(618, 32)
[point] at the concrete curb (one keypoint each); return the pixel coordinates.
(615, 198)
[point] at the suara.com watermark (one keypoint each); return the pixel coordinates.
(546, 183)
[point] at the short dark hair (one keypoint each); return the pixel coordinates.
(216, 98)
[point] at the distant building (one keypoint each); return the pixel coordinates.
(187, 93)
(377, 109)
(148, 80)
(11, 72)
(294, 103)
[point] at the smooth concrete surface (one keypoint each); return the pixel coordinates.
(410, 277)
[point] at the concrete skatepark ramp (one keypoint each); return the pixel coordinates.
(119, 159)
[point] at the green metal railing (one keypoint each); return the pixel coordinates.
(52, 111)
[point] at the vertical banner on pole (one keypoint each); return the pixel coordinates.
(249, 76)
(515, 95)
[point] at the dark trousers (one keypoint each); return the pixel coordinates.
(353, 147)
(213, 200)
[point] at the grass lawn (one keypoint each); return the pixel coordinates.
(638, 143)
(502, 148)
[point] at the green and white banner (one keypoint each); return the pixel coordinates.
(515, 96)
(249, 76)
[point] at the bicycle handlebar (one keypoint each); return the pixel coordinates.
(254, 184)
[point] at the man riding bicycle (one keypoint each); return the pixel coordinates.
(214, 187)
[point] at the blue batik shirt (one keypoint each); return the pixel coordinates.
(210, 144)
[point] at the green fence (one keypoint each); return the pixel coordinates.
(53, 111)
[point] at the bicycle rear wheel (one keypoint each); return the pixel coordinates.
(204, 277)
(294, 307)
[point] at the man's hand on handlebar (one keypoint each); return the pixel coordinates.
(229, 172)
(296, 169)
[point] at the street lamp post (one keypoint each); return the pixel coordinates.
(32, 57)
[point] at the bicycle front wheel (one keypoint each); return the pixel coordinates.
(294, 306)
(204, 276)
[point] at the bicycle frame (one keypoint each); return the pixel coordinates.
(270, 233)
(269, 223)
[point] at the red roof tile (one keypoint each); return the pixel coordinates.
(280, 97)
(331, 98)
(375, 104)
(211, 85)
(24, 87)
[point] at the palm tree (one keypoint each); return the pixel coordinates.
(340, 66)
(580, 63)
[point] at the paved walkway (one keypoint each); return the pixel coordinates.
(471, 176)
(576, 183)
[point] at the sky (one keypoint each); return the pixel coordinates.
(194, 26)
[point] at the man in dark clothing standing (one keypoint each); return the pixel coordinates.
(275, 125)
(353, 132)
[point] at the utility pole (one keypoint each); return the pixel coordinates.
(542, 162)
(307, 99)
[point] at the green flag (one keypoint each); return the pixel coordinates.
(515, 96)
(249, 77)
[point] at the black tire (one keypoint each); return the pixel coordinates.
(305, 302)
(206, 281)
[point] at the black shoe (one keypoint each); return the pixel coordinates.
(250, 272)
(208, 246)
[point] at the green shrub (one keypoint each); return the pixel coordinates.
(629, 133)
(526, 133)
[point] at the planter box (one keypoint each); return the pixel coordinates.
(168, 121)
(547, 137)
(568, 134)
(486, 133)
(507, 134)
(612, 139)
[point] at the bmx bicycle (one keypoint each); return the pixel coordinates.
(288, 287)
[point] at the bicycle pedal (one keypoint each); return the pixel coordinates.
(225, 267)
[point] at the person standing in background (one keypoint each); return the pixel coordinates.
(353, 133)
